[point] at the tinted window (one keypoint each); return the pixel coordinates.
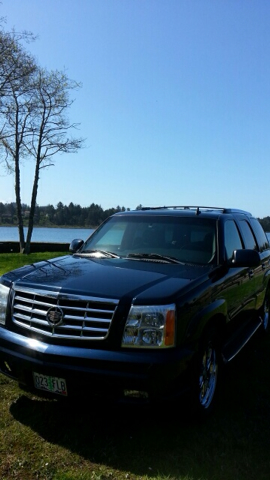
(232, 239)
(248, 236)
(110, 236)
(260, 234)
(189, 240)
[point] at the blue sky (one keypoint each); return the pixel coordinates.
(175, 102)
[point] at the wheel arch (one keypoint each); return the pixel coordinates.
(213, 316)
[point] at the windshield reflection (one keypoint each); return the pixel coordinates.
(168, 239)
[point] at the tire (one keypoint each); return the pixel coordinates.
(265, 312)
(206, 374)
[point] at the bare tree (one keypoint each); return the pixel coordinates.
(15, 63)
(50, 127)
(16, 70)
(33, 121)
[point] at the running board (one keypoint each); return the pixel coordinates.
(235, 346)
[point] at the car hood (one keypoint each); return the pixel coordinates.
(140, 281)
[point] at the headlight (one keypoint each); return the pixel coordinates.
(150, 327)
(4, 292)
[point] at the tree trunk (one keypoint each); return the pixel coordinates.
(18, 203)
(32, 209)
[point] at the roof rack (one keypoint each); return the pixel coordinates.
(198, 208)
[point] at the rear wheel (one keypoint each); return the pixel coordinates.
(265, 311)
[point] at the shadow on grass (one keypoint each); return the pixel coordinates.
(232, 444)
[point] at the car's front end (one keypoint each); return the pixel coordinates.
(72, 344)
(113, 318)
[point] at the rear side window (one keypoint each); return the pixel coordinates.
(248, 236)
(232, 239)
(259, 234)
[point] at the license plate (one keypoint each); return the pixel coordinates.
(50, 384)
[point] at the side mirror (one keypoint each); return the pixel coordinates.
(245, 258)
(75, 245)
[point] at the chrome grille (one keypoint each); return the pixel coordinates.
(86, 318)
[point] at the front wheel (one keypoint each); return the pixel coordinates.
(206, 374)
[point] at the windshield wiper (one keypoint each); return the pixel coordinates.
(153, 256)
(99, 253)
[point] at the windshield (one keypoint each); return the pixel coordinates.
(185, 240)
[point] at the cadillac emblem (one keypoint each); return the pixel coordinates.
(55, 316)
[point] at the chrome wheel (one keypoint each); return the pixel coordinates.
(265, 312)
(208, 376)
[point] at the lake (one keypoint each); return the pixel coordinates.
(42, 234)
(52, 235)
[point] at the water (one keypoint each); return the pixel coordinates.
(42, 234)
(52, 235)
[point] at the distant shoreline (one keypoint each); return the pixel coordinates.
(52, 226)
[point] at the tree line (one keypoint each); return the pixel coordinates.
(33, 120)
(62, 215)
(265, 223)
(71, 215)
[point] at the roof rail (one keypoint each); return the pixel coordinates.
(198, 208)
(183, 207)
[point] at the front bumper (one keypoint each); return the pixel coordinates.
(95, 372)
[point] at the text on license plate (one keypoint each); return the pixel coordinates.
(50, 384)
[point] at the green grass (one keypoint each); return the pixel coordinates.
(50, 440)
(10, 261)
(53, 440)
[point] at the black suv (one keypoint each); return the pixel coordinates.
(148, 307)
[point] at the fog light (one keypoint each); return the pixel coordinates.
(136, 394)
(7, 367)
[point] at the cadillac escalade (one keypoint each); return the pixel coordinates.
(148, 307)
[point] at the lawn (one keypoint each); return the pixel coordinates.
(9, 261)
(42, 439)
